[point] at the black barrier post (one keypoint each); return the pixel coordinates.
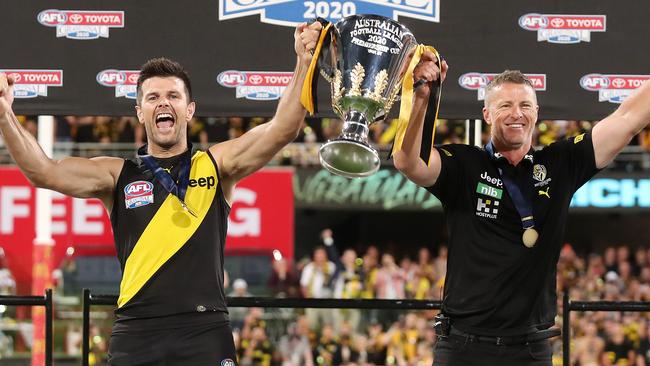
(85, 343)
(45, 301)
(49, 316)
(566, 329)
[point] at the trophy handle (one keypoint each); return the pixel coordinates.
(325, 68)
(310, 84)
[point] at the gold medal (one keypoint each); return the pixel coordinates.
(185, 207)
(530, 237)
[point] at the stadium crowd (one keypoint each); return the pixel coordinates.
(105, 129)
(382, 337)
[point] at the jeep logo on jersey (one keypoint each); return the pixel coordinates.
(138, 194)
(81, 24)
(208, 182)
(124, 82)
(291, 12)
(564, 29)
(255, 85)
(34, 83)
(612, 88)
(479, 80)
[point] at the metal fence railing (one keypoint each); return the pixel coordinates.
(90, 299)
(569, 306)
(45, 301)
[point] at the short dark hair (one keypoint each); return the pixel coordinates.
(163, 67)
(509, 76)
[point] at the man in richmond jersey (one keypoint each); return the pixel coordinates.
(506, 206)
(169, 210)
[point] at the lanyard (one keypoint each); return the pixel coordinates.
(517, 190)
(178, 189)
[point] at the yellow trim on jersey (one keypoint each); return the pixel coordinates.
(169, 229)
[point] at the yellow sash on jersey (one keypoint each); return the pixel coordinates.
(169, 229)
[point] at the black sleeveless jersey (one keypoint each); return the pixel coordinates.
(172, 261)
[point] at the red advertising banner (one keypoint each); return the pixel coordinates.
(262, 213)
(261, 219)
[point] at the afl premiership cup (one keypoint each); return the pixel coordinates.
(365, 59)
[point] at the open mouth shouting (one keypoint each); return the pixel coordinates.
(165, 120)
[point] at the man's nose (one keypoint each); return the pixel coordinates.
(162, 102)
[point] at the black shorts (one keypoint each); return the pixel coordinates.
(179, 341)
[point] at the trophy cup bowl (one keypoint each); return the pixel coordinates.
(364, 58)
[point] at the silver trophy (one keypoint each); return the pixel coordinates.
(364, 58)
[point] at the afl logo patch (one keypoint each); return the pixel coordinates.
(227, 362)
(138, 194)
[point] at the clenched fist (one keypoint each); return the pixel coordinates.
(6, 93)
(306, 38)
(429, 71)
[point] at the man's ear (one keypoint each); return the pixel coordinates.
(138, 112)
(191, 108)
(486, 115)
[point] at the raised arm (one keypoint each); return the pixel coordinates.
(77, 177)
(615, 132)
(407, 160)
(242, 156)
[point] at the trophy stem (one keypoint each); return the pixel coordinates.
(350, 155)
(355, 127)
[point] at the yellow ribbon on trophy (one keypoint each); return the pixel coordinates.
(309, 86)
(406, 106)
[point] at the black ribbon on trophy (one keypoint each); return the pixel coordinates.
(368, 60)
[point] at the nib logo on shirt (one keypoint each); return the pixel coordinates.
(489, 191)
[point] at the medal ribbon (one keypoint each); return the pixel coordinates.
(165, 179)
(523, 202)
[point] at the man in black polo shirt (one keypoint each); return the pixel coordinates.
(506, 207)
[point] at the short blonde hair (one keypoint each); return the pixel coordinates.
(508, 77)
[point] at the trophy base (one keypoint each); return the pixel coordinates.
(349, 159)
